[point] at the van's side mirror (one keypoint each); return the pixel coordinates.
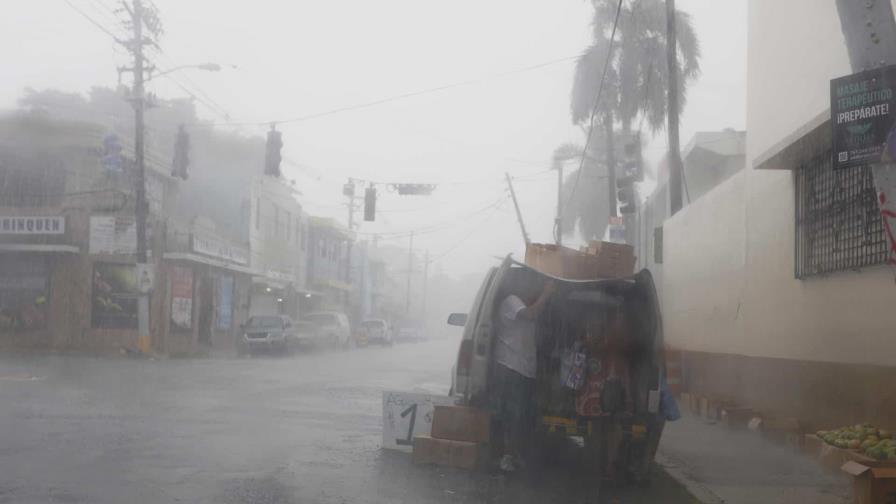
(457, 319)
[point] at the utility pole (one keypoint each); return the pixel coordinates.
(351, 228)
(674, 156)
(140, 210)
(519, 215)
(869, 29)
(611, 166)
(407, 308)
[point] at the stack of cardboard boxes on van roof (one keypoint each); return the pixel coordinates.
(599, 259)
(458, 437)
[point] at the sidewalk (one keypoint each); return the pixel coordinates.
(718, 464)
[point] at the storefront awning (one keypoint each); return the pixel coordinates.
(38, 247)
(186, 256)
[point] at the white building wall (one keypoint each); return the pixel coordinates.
(729, 283)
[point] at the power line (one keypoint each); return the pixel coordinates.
(398, 97)
(94, 22)
(600, 90)
(466, 237)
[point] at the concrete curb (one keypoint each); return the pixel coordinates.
(700, 492)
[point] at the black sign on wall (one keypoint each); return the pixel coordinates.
(862, 117)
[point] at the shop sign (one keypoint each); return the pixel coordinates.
(113, 234)
(44, 225)
(862, 108)
(284, 276)
(225, 303)
(181, 298)
(218, 248)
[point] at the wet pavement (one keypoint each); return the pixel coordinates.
(268, 430)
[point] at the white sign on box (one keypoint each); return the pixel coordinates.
(408, 414)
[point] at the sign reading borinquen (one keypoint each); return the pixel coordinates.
(862, 105)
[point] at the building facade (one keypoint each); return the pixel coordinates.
(774, 281)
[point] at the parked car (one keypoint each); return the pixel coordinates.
(271, 332)
(330, 327)
(576, 308)
(376, 331)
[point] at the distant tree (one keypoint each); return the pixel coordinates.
(634, 89)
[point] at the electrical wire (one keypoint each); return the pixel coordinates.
(466, 237)
(94, 22)
(398, 97)
(435, 227)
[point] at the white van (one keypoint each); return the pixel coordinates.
(575, 301)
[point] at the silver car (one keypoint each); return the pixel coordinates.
(269, 332)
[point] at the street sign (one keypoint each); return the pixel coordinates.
(862, 117)
(408, 414)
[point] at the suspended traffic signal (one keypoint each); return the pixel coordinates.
(272, 156)
(181, 153)
(625, 193)
(370, 204)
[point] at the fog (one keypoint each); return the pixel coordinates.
(283, 252)
(296, 60)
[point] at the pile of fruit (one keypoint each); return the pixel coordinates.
(866, 438)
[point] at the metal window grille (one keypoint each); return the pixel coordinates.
(838, 225)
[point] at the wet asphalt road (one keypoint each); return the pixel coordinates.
(268, 430)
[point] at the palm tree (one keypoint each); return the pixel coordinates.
(634, 88)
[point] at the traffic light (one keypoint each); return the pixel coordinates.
(181, 153)
(625, 193)
(370, 204)
(272, 156)
(348, 189)
(111, 153)
(632, 163)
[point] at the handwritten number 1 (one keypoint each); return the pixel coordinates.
(409, 441)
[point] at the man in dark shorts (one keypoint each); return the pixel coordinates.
(514, 373)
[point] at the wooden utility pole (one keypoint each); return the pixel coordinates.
(140, 210)
(674, 155)
(516, 205)
(869, 29)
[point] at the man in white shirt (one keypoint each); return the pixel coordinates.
(514, 374)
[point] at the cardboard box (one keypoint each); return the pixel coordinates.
(608, 260)
(445, 452)
(872, 485)
(460, 423)
(833, 458)
(556, 261)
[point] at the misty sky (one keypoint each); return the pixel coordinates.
(297, 58)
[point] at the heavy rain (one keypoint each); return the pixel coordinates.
(577, 251)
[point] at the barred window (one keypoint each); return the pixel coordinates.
(838, 225)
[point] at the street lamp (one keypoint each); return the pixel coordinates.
(208, 67)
